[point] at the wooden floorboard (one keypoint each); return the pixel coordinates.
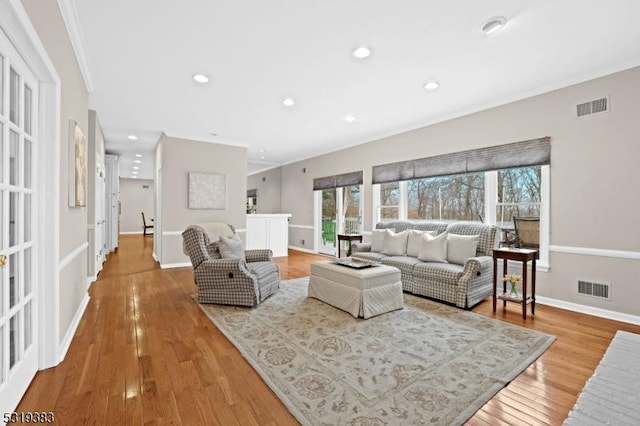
(144, 353)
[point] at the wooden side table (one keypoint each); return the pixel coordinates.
(519, 255)
(348, 237)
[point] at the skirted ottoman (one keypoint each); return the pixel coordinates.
(365, 292)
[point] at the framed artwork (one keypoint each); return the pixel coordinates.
(77, 166)
(207, 191)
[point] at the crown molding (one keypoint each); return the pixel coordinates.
(70, 17)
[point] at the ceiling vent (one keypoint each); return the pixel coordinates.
(601, 291)
(592, 107)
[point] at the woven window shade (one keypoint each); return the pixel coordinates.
(533, 152)
(337, 181)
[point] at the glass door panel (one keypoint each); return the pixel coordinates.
(328, 215)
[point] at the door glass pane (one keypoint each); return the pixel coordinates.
(27, 163)
(13, 280)
(27, 109)
(13, 218)
(351, 206)
(1, 100)
(27, 218)
(28, 325)
(14, 96)
(2, 378)
(27, 272)
(328, 217)
(14, 344)
(1, 153)
(13, 158)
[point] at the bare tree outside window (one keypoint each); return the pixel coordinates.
(389, 200)
(518, 193)
(457, 197)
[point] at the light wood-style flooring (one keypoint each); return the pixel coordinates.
(145, 354)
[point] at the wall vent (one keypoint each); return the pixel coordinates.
(592, 107)
(602, 291)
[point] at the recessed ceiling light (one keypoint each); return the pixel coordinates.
(494, 24)
(137, 161)
(132, 137)
(350, 118)
(139, 155)
(361, 52)
(201, 78)
(136, 168)
(134, 177)
(262, 157)
(262, 150)
(431, 85)
(288, 102)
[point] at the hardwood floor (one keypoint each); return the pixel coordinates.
(144, 353)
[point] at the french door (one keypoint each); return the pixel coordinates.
(340, 212)
(18, 311)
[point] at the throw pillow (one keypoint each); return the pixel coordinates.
(414, 241)
(395, 244)
(377, 240)
(461, 247)
(433, 248)
(231, 248)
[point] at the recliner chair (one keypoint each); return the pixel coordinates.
(228, 281)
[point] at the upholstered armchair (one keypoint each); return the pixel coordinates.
(228, 281)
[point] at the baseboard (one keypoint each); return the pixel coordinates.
(589, 310)
(304, 250)
(174, 265)
(132, 233)
(68, 337)
(91, 280)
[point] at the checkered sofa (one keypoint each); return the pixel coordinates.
(229, 281)
(463, 286)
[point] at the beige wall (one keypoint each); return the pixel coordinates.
(134, 199)
(594, 203)
(47, 20)
(269, 190)
(177, 158)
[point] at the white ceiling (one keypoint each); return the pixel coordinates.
(142, 54)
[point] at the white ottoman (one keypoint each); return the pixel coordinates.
(361, 292)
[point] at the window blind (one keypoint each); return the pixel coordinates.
(534, 152)
(337, 181)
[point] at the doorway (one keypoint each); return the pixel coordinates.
(339, 211)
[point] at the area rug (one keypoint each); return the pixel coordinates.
(425, 364)
(612, 395)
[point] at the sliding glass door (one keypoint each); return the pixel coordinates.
(340, 212)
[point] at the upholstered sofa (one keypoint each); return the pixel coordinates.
(463, 278)
(243, 278)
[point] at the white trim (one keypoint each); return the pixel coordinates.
(302, 226)
(91, 280)
(304, 250)
(588, 251)
(589, 310)
(174, 265)
(171, 233)
(71, 21)
(71, 256)
(241, 231)
(153, 255)
(132, 233)
(71, 331)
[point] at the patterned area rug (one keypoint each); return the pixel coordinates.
(425, 364)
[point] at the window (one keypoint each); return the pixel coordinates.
(494, 197)
(457, 197)
(518, 193)
(389, 201)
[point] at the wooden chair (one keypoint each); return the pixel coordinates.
(527, 232)
(145, 227)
